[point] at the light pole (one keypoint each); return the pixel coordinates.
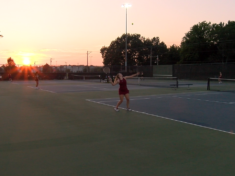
(157, 60)
(126, 6)
(88, 52)
(66, 66)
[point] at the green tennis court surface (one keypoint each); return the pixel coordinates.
(54, 130)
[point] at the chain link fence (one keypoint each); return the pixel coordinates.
(204, 71)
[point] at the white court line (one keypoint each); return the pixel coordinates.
(41, 89)
(208, 94)
(47, 90)
(167, 118)
(98, 88)
(231, 103)
(130, 99)
(170, 94)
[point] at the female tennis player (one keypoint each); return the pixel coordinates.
(9, 77)
(123, 91)
(220, 77)
(36, 78)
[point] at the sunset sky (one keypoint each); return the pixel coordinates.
(66, 29)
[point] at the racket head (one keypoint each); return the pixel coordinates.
(106, 70)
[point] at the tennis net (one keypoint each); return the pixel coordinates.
(89, 78)
(221, 84)
(154, 81)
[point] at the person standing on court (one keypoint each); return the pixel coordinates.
(123, 91)
(220, 77)
(9, 77)
(36, 78)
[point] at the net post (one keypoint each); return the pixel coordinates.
(84, 78)
(107, 78)
(177, 83)
(208, 84)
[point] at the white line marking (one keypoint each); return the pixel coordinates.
(208, 101)
(176, 94)
(167, 118)
(40, 89)
(130, 99)
(47, 91)
(31, 87)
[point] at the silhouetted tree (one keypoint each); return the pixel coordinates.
(138, 50)
(206, 42)
(10, 67)
(46, 68)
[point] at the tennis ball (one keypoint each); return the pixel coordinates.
(132, 23)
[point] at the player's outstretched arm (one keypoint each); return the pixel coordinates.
(131, 76)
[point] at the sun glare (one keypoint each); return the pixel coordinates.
(26, 61)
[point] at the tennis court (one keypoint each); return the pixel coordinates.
(209, 110)
(84, 85)
(55, 130)
(67, 86)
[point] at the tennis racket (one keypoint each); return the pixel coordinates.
(106, 70)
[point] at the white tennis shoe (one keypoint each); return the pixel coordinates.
(116, 109)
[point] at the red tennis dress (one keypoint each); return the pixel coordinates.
(123, 88)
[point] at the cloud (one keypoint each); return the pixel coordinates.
(25, 54)
(46, 50)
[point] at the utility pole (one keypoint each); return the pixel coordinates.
(157, 59)
(126, 45)
(51, 60)
(88, 52)
(151, 55)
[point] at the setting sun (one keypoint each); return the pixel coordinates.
(26, 61)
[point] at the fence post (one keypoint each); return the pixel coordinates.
(208, 84)
(177, 83)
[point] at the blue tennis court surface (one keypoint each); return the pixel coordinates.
(207, 109)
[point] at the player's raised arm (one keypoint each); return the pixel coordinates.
(116, 81)
(131, 76)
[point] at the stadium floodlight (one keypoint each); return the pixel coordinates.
(126, 6)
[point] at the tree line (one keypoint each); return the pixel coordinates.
(204, 43)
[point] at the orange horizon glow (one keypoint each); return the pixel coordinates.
(42, 32)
